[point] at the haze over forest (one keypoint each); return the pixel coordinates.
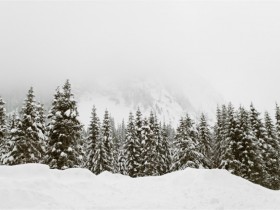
(232, 46)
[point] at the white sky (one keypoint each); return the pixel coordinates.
(235, 45)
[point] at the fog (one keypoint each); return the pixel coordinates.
(233, 45)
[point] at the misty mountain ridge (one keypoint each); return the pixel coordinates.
(168, 101)
(121, 95)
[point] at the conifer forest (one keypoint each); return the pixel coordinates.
(241, 140)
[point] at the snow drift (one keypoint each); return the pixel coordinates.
(35, 186)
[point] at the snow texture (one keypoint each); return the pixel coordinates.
(35, 186)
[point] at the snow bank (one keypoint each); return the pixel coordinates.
(35, 186)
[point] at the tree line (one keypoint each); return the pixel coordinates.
(241, 141)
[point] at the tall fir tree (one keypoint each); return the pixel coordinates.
(132, 149)
(28, 139)
(261, 144)
(121, 143)
(217, 139)
(205, 140)
(3, 127)
(277, 128)
(187, 152)
(163, 149)
(147, 154)
(93, 141)
(64, 131)
(229, 144)
(121, 133)
(99, 155)
(272, 155)
(139, 139)
(107, 143)
(277, 123)
(116, 146)
(248, 162)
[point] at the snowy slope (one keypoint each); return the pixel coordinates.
(170, 101)
(35, 186)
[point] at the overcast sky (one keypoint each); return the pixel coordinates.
(235, 45)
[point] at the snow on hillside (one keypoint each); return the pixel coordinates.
(35, 186)
(168, 100)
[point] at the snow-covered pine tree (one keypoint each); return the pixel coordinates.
(187, 152)
(93, 140)
(3, 127)
(248, 162)
(171, 133)
(64, 129)
(163, 149)
(15, 134)
(116, 146)
(41, 124)
(217, 139)
(223, 134)
(138, 126)
(277, 128)
(139, 139)
(99, 155)
(132, 149)
(121, 133)
(229, 145)
(277, 123)
(261, 175)
(272, 156)
(28, 144)
(107, 143)
(205, 141)
(121, 142)
(148, 145)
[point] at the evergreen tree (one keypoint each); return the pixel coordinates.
(272, 155)
(247, 155)
(28, 144)
(116, 146)
(93, 140)
(205, 141)
(132, 149)
(15, 135)
(277, 123)
(121, 133)
(41, 125)
(107, 143)
(163, 150)
(217, 139)
(171, 133)
(121, 143)
(99, 155)
(64, 129)
(261, 144)
(3, 127)
(138, 126)
(187, 152)
(148, 145)
(229, 145)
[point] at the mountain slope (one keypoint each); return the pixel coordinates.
(169, 100)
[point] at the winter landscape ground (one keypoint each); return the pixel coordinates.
(35, 186)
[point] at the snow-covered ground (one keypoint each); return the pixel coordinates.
(35, 186)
